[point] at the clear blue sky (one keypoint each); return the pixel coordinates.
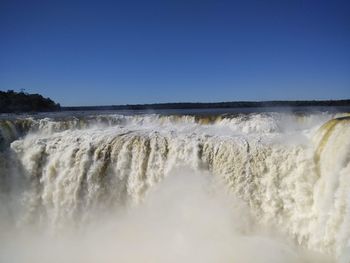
(120, 52)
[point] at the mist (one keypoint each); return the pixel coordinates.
(189, 217)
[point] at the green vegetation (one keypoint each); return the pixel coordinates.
(11, 101)
(218, 105)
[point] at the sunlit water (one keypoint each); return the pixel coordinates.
(238, 187)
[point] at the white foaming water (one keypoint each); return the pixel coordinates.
(95, 184)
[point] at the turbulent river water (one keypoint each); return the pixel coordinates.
(252, 187)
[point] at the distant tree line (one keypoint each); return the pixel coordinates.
(11, 101)
(217, 105)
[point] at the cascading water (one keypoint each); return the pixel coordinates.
(290, 172)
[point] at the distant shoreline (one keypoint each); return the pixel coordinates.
(214, 105)
(22, 102)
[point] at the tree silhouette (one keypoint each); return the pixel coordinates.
(12, 101)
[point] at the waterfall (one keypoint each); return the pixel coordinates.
(292, 171)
